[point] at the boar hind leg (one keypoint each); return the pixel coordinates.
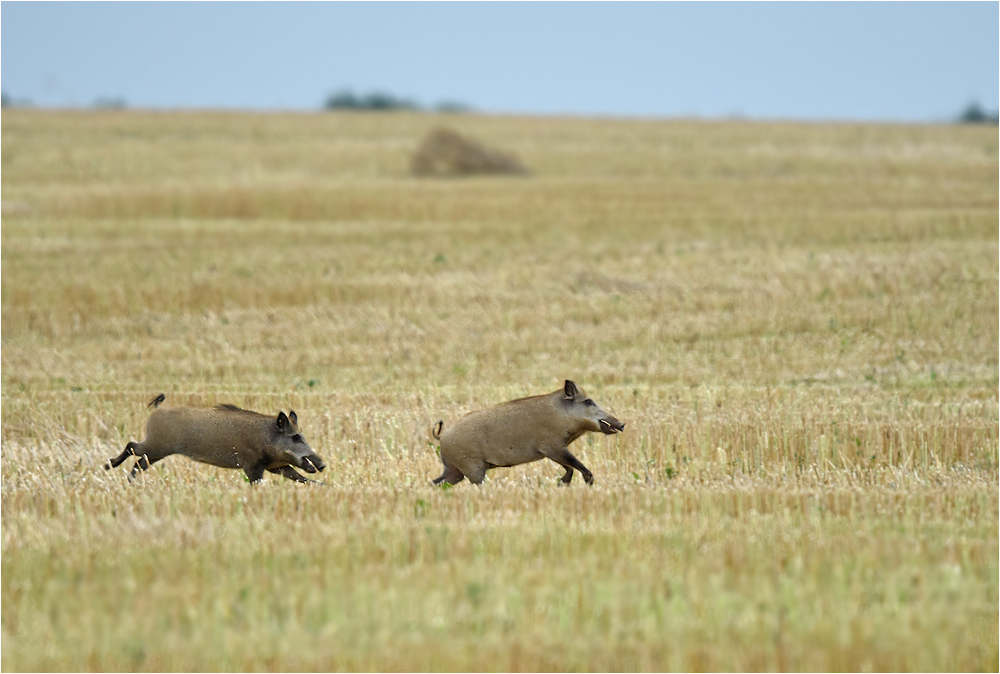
(117, 461)
(570, 462)
(147, 457)
(476, 472)
(451, 475)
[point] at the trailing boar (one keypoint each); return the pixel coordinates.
(224, 436)
(521, 431)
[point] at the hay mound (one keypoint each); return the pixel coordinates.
(445, 153)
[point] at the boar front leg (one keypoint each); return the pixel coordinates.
(563, 457)
(290, 473)
(255, 472)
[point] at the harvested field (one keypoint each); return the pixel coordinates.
(797, 322)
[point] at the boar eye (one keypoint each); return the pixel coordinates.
(297, 439)
(588, 402)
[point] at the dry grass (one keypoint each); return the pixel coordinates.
(799, 324)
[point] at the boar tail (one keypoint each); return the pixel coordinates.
(155, 402)
(438, 427)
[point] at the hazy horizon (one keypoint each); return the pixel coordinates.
(882, 62)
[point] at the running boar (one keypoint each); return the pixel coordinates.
(521, 431)
(224, 436)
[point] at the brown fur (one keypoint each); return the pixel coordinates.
(224, 436)
(521, 431)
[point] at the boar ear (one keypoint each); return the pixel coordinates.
(282, 421)
(570, 390)
(294, 419)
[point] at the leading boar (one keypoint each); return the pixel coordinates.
(521, 431)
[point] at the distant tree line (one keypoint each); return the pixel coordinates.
(382, 102)
(100, 103)
(974, 114)
(110, 103)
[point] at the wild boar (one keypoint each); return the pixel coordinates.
(224, 436)
(521, 431)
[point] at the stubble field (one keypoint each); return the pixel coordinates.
(797, 322)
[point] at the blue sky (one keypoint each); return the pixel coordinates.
(811, 61)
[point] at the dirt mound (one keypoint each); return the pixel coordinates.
(446, 153)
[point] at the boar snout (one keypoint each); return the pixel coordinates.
(312, 464)
(610, 426)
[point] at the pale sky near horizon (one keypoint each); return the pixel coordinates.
(919, 62)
